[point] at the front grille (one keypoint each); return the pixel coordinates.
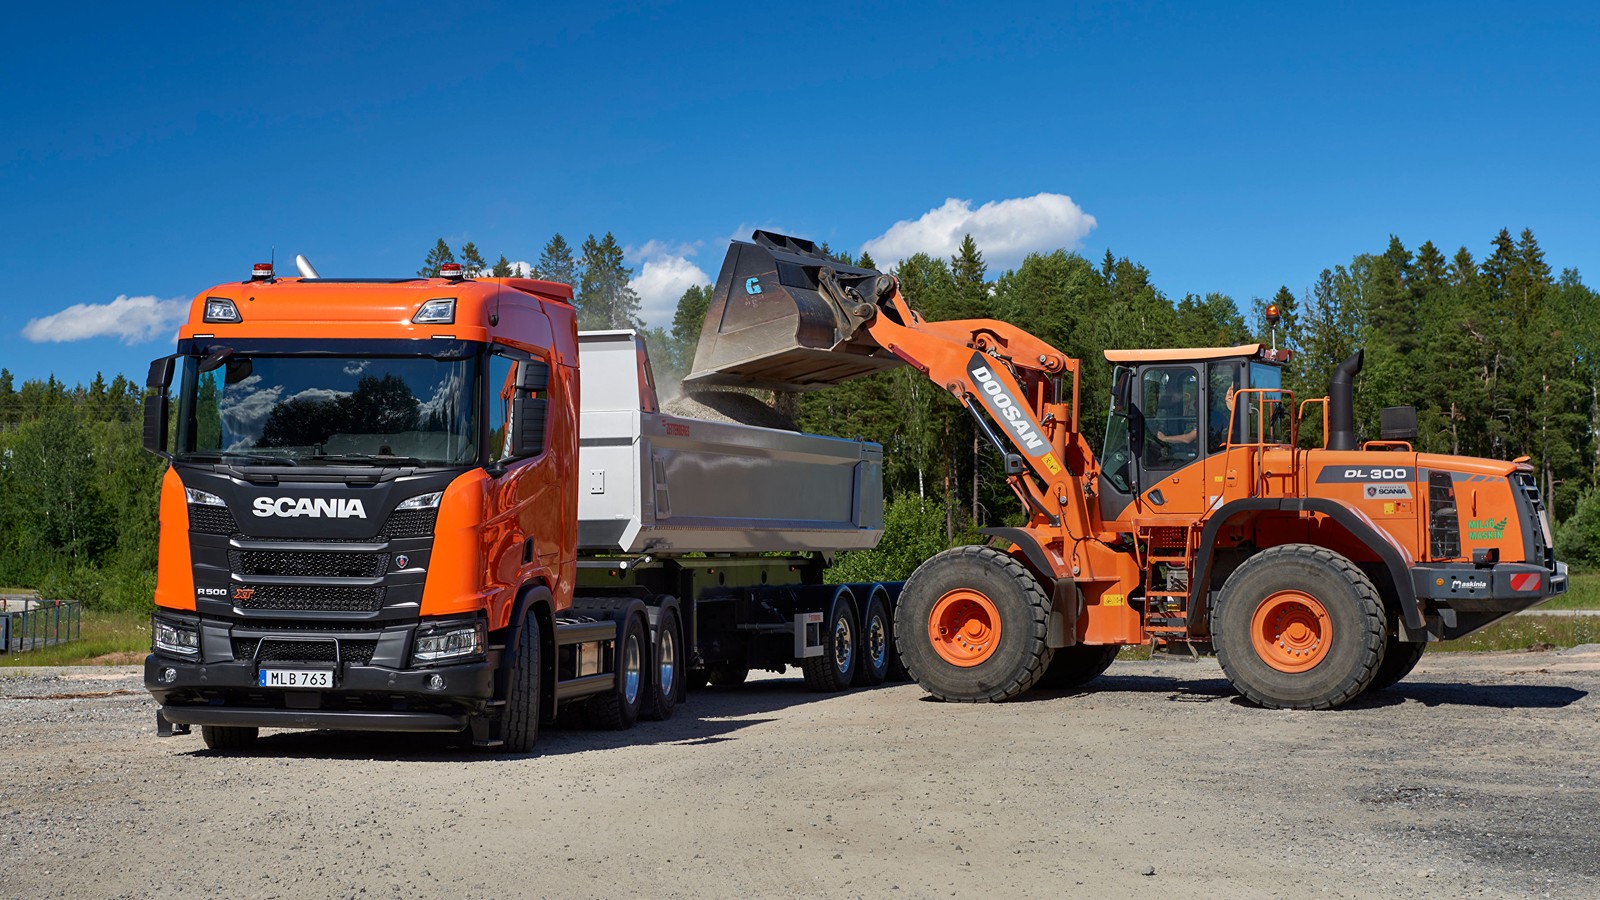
(308, 598)
(409, 523)
(279, 650)
(211, 520)
(311, 564)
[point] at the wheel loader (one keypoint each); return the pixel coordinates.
(1202, 525)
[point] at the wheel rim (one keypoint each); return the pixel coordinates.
(964, 627)
(669, 660)
(877, 642)
(843, 644)
(1291, 631)
(632, 667)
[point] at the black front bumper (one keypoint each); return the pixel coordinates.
(1460, 598)
(362, 697)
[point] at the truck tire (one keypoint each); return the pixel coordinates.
(1077, 665)
(229, 737)
(661, 697)
(841, 653)
(1299, 627)
(877, 645)
(970, 626)
(1399, 658)
(618, 708)
(521, 725)
(726, 674)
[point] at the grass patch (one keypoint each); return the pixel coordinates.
(1583, 592)
(100, 634)
(1528, 633)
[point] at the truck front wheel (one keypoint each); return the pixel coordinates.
(1299, 627)
(229, 737)
(522, 704)
(970, 626)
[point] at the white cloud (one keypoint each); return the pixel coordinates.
(521, 268)
(664, 273)
(1005, 230)
(132, 320)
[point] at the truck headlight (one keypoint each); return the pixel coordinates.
(176, 638)
(422, 501)
(450, 642)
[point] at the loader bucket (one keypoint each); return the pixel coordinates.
(787, 317)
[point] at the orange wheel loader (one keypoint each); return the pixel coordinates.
(1202, 525)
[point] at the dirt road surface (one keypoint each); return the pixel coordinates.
(1476, 776)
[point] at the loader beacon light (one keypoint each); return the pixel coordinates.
(436, 312)
(221, 309)
(451, 271)
(1273, 316)
(261, 272)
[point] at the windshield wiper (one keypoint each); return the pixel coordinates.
(224, 455)
(375, 459)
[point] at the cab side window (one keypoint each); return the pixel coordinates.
(1171, 409)
(1223, 380)
(502, 390)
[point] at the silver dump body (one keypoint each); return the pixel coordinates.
(663, 484)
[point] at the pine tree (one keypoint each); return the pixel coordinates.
(472, 262)
(605, 299)
(967, 269)
(438, 256)
(556, 264)
(502, 268)
(865, 262)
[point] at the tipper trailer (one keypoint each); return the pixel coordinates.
(430, 504)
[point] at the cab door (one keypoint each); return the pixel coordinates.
(1171, 460)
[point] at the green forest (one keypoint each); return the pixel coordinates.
(1499, 353)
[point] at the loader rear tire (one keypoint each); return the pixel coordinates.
(1077, 665)
(229, 737)
(970, 626)
(1399, 658)
(1299, 627)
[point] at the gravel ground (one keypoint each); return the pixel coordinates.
(1476, 776)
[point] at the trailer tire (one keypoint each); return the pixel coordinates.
(661, 697)
(726, 674)
(1077, 665)
(971, 624)
(618, 708)
(521, 723)
(1399, 658)
(876, 644)
(229, 737)
(836, 668)
(1299, 626)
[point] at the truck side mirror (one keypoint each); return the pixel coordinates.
(528, 426)
(156, 404)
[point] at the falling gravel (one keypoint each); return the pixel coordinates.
(728, 406)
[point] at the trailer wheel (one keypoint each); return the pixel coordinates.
(661, 697)
(970, 626)
(1077, 665)
(1399, 658)
(229, 737)
(521, 723)
(1299, 627)
(841, 655)
(618, 708)
(877, 645)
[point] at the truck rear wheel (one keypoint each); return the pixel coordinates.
(970, 626)
(229, 737)
(877, 647)
(521, 724)
(1399, 658)
(1299, 627)
(841, 653)
(618, 708)
(1077, 665)
(661, 699)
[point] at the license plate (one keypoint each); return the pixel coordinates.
(296, 678)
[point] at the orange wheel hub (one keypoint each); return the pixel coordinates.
(964, 627)
(1291, 631)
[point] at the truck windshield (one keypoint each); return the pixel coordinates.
(298, 410)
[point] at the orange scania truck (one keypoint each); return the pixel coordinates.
(430, 504)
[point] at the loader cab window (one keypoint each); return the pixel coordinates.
(1116, 457)
(1170, 405)
(1222, 379)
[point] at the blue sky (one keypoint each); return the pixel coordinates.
(150, 151)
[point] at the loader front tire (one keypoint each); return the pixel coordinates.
(1399, 658)
(970, 626)
(1299, 627)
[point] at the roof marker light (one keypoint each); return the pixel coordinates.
(221, 309)
(436, 312)
(451, 271)
(261, 272)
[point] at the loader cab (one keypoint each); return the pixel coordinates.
(1169, 421)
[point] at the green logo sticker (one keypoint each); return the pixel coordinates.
(1486, 529)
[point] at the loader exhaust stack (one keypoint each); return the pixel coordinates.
(787, 317)
(1341, 404)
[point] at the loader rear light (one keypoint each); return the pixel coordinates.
(261, 272)
(221, 309)
(436, 312)
(451, 271)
